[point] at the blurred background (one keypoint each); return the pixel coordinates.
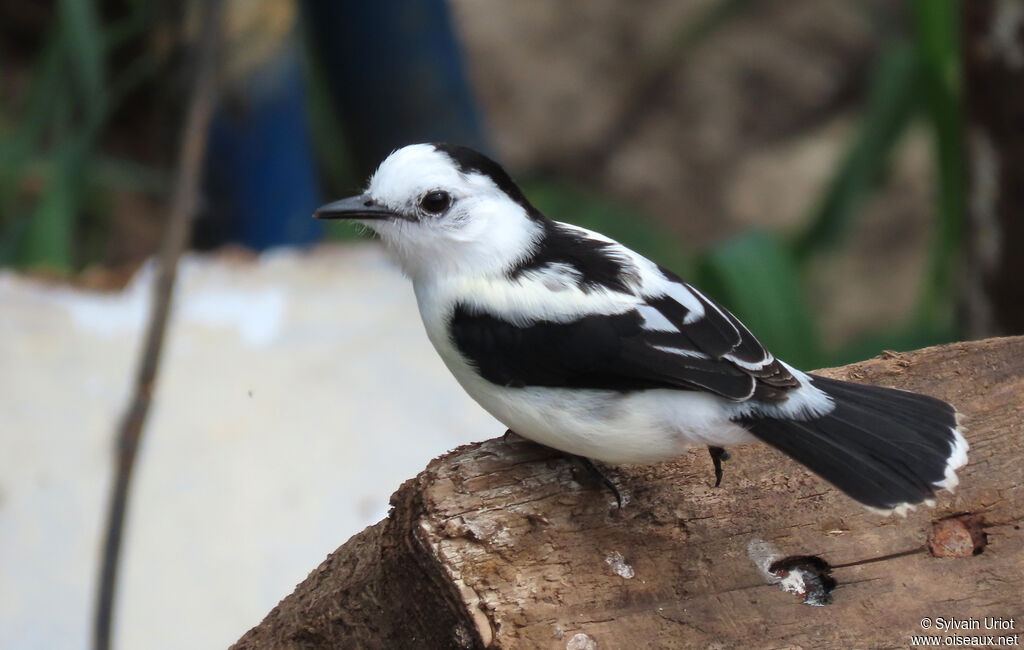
(845, 175)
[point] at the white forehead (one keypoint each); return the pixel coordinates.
(412, 171)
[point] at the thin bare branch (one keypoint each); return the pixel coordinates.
(182, 211)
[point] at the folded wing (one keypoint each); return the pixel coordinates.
(676, 338)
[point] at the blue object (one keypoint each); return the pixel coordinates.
(261, 181)
(395, 72)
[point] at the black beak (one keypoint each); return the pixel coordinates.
(354, 207)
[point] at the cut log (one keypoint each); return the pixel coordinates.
(504, 544)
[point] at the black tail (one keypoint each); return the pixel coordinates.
(886, 448)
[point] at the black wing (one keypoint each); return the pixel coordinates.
(625, 351)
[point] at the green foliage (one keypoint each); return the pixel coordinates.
(46, 240)
(761, 276)
(892, 98)
(938, 53)
(48, 152)
(757, 276)
(50, 167)
(80, 34)
(911, 81)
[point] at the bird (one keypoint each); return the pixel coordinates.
(576, 342)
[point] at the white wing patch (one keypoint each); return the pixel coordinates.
(528, 299)
(556, 276)
(804, 403)
(682, 352)
(768, 359)
(655, 321)
(684, 296)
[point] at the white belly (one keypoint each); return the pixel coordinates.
(637, 427)
(614, 427)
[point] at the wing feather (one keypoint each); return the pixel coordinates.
(607, 352)
(675, 336)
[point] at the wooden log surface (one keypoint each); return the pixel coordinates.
(505, 544)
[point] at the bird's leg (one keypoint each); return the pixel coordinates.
(598, 475)
(718, 454)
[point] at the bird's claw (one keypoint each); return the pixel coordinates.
(599, 476)
(718, 455)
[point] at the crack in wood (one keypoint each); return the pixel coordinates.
(881, 558)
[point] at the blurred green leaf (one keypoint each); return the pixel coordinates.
(755, 276)
(939, 53)
(937, 38)
(892, 100)
(44, 95)
(55, 133)
(47, 238)
(83, 47)
(330, 142)
(563, 202)
(106, 171)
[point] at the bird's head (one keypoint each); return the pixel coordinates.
(444, 209)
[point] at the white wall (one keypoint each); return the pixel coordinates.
(297, 392)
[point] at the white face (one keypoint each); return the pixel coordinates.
(447, 221)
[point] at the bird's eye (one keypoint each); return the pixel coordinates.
(436, 202)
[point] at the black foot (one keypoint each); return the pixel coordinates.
(598, 475)
(718, 454)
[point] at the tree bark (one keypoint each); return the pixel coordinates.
(993, 61)
(501, 544)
